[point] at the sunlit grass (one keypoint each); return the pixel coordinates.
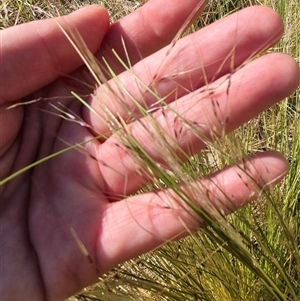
(255, 253)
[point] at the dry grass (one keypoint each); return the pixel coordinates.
(199, 267)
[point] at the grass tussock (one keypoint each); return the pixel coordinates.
(252, 255)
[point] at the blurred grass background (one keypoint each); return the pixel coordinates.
(259, 260)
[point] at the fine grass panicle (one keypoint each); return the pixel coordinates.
(251, 255)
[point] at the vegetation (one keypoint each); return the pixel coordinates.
(255, 253)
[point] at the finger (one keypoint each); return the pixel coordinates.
(186, 125)
(194, 61)
(156, 218)
(148, 29)
(35, 54)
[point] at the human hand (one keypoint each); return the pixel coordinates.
(49, 211)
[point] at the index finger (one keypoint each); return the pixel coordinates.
(35, 54)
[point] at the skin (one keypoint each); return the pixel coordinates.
(40, 209)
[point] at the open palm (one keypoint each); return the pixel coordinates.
(67, 221)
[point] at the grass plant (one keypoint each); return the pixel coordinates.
(252, 255)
